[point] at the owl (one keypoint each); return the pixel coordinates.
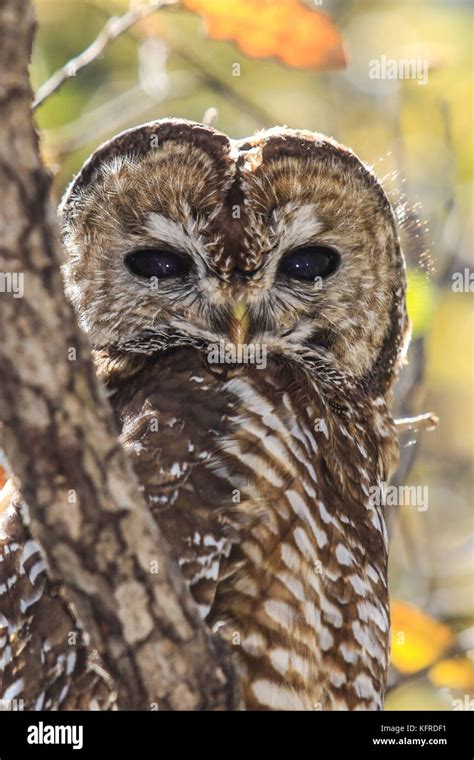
(245, 303)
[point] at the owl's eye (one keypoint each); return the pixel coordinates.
(151, 262)
(310, 262)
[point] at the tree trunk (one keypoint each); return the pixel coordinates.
(102, 548)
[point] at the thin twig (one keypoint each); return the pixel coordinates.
(114, 27)
(210, 116)
(428, 421)
(108, 118)
(221, 86)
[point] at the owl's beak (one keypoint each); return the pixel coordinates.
(239, 323)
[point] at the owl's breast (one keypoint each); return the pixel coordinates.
(262, 494)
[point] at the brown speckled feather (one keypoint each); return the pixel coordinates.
(45, 662)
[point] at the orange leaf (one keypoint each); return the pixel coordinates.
(417, 639)
(286, 29)
(3, 476)
(455, 674)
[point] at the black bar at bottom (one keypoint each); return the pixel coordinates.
(315, 735)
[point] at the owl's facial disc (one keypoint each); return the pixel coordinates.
(288, 224)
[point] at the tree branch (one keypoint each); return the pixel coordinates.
(114, 27)
(425, 421)
(100, 542)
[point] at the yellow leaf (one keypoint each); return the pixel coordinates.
(286, 29)
(456, 674)
(417, 639)
(421, 301)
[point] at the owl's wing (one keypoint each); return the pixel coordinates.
(44, 664)
(171, 415)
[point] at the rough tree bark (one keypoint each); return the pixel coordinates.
(60, 436)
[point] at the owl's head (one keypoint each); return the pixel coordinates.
(177, 234)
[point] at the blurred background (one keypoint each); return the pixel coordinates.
(333, 67)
